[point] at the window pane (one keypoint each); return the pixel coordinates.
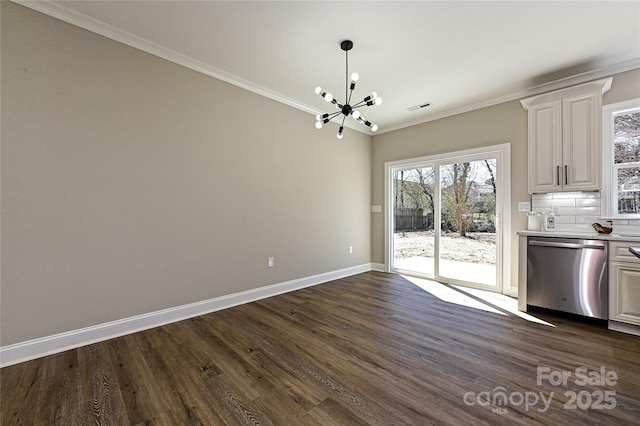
(626, 130)
(629, 190)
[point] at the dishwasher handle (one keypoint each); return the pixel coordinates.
(566, 245)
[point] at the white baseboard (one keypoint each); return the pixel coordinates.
(36, 348)
(379, 267)
(624, 328)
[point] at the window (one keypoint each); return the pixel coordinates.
(621, 141)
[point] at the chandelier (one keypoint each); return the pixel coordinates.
(346, 109)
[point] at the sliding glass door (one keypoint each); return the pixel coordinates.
(468, 249)
(414, 219)
(445, 217)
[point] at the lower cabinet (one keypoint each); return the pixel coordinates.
(624, 288)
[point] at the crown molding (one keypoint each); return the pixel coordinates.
(525, 93)
(88, 23)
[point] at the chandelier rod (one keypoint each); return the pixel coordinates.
(347, 95)
(346, 46)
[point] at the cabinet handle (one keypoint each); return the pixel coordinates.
(558, 175)
(566, 174)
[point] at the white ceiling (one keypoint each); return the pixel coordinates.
(458, 55)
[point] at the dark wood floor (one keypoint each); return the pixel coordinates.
(368, 349)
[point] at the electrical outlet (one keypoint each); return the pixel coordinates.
(524, 206)
(271, 262)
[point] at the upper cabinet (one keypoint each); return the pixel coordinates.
(565, 138)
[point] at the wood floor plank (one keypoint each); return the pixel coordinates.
(100, 394)
(177, 381)
(371, 349)
(244, 338)
(163, 418)
(140, 397)
(323, 379)
(330, 411)
(232, 406)
(21, 387)
(60, 400)
(233, 365)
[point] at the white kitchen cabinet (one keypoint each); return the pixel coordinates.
(624, 288)
(565, 140)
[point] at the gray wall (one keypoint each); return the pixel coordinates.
(131, 184)
(502, 123)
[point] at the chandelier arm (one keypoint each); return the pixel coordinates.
(333, 115)
(360, 104)
(364, 121)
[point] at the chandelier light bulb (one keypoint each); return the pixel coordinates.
(374, 95)
(355, 76)
(378, 101)
(374, 127)
(328, 97)
(319, 124)
(318, 90)
(339, 135)
(355, 114)
(318, 117)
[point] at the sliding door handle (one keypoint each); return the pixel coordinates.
(558, 175)
(566, 174)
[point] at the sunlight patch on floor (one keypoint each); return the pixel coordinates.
(489, 301)
(507, 303)
(448, 294)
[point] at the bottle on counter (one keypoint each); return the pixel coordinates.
(549, 222)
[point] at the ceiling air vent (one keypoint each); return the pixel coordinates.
(419, 106)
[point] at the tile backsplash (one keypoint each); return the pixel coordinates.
(576, 211)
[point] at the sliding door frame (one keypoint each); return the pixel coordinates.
(503, 204)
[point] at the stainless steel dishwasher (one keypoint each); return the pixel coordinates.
(568, 275)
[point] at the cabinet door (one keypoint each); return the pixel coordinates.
(581, 142)
(545, 147)
(624, 292)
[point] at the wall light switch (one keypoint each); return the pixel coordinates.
(271, 262)
(376, 209)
